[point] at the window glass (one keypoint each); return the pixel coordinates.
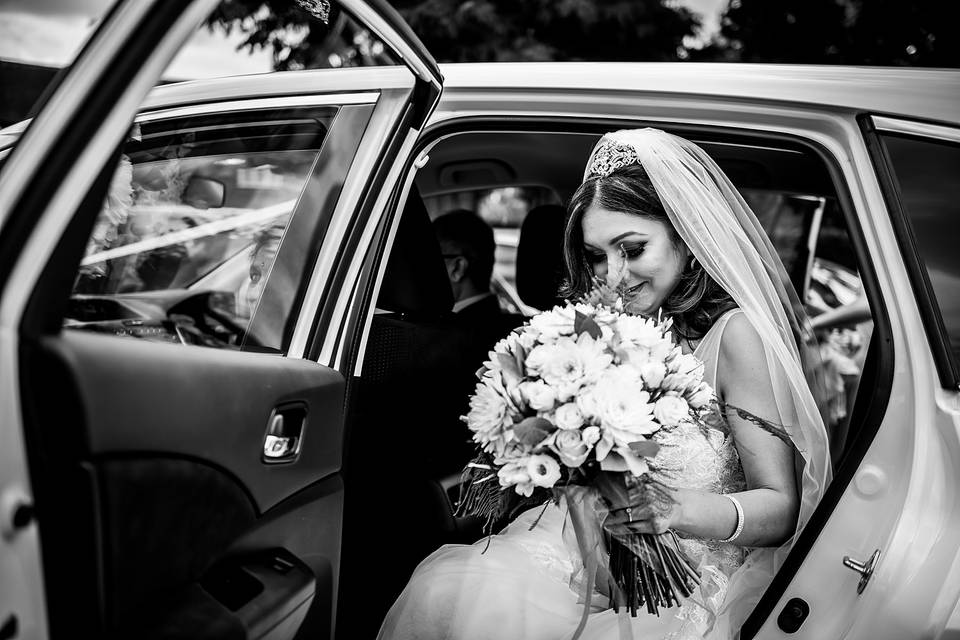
(928, 174)
(186, 238)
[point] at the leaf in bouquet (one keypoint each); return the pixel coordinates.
(520, 357)
(582, 323)
(645, 448)
(511, 372)
(613, 488)
(532, 431)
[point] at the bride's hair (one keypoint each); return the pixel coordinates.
(695, 303)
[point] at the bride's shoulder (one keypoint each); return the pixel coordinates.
(741, 350)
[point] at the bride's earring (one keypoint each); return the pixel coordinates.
(693, 263)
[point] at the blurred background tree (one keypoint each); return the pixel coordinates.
(473, 30)
(857, 32)
(508, 30)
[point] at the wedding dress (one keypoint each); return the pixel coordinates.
(524, 584)
(527, 583)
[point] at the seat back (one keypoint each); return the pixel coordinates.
(540, 256)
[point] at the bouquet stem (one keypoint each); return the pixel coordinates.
(649, 569)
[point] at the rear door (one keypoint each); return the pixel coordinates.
(171, 455)
(881, 549)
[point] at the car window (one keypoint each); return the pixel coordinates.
(928, 174)
(185, 240)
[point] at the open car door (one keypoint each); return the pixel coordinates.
(172, 262)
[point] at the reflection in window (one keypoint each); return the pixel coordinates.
(928, 174)
(191, 225)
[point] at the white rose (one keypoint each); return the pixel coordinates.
(568, 416)
(571, 448)
(653, 373)
(544, 470)
(671, 411)
(590, 436)
(701, 396)
(538, 395)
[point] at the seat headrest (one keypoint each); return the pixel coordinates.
(415, 280)
(540, 256)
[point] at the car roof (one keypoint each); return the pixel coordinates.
(908, 92)
(917, 93)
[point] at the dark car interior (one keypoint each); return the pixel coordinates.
(419, 363)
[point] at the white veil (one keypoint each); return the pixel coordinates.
(724, 235)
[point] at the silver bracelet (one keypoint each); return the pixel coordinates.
(739, 529)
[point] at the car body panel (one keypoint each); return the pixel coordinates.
(922, 94)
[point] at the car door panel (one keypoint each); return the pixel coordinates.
(172, 471)
(166, 407)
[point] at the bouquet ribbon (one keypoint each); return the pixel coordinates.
(586, 512)
(630, 568)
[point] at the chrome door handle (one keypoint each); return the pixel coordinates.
(281, 444)
(865, 569)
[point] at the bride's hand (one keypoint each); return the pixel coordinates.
(651, 509)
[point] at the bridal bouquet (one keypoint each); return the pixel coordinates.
(570, 403)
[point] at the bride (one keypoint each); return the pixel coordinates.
(657, 208)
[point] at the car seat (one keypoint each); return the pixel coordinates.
(540, 256)
(405, 434)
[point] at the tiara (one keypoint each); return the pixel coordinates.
(319, 9)
(610, 156)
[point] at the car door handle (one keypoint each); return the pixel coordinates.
(284, 437)
(865, 569)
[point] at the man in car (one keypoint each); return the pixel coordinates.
(467, 244)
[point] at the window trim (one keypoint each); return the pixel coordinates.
(259, 104)
(927, 305)
(918, 129)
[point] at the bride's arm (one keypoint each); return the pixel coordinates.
(771, 502)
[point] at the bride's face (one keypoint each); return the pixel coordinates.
(638, 249)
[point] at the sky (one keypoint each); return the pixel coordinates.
(709, 11)
(51, 32)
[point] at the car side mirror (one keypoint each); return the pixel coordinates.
(204, 193)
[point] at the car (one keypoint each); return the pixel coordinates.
(229, 374)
